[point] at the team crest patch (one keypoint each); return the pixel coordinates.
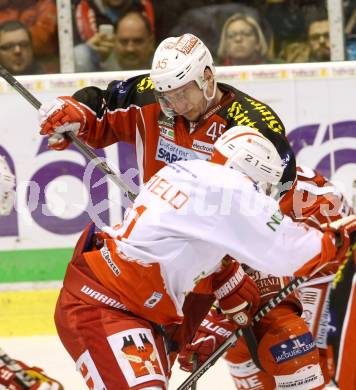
(137, 356)
(153, 300)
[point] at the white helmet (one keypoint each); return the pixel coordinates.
(250, 152)
(179, 60)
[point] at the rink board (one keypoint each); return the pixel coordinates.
(315, 101)
(58, 194)
(54, 203)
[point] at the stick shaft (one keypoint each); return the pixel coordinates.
(271, 304)
(88, 152)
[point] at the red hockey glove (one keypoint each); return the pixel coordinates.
(212, 332)
(238, 294)
(59, 116)
(342, 230)
(16, 375)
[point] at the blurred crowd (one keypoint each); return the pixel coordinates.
(123, 34)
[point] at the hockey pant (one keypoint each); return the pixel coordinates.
(286, 351)
(112, 349)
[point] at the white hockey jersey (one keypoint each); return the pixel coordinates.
(185, 220)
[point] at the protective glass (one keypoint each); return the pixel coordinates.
(179, 101)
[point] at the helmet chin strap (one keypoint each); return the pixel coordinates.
(209, 99)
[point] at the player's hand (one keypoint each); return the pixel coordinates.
(59, 116)
(342, 230)
(238, 295)
(212, 332)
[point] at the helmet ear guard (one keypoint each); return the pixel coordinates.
(268, 162)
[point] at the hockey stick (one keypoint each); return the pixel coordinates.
(98, 162)
(214, 357)
(195, 366)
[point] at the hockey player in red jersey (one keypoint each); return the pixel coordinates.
(315, 201)
(127, 283)
(14, 374)
(174, 113)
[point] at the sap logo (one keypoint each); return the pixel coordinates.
(166, 156)
(276, 220)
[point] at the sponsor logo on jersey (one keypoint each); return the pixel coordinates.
(102, 298)
(144, 84)
(267, 116)
(153, 300)
(212, 327)
(169, 152)
(167, 133)
(276, 220)
(203, 147)
(292, 348)
(230, 285)
(239, 115)
(122, 87)
(105, 253)
(308, 377)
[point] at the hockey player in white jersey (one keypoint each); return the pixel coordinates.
(316, 201)
(124, 283)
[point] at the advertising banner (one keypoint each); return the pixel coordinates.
(58, 193)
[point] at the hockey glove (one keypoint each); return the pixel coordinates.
(212, 332)
(237, 294)
(342, 230)
(59, 116)
(16, 375)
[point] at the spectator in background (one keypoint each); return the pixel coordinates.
(242, 42)
(134, 44)
(318, 39)
(132, 47)
(317, 47)
(40, 17)
(93, 47)
(16, 51)
(89, 14)
(207, 22)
